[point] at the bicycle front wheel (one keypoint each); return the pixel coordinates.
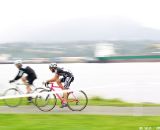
(36, 90)
(12, 102)
(77, 100)
(45, 101)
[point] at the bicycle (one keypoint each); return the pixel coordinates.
(76, 100)
(14, 102)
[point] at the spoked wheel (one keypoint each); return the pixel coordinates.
(45, 102)
(77, 100)
(12, 102)
(37, 90)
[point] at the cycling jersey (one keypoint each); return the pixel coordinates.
(67, 76)
(31, 75)
(63, 72)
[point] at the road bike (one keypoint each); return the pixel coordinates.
(16, 90)
(47, 100)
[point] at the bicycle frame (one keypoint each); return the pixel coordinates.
(52, 89)
(59, 97)
(16, 85)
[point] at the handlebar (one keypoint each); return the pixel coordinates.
(46, 85)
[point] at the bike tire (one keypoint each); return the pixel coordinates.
(46, 102)
(12, 102)
(77, 101)
(36, 90)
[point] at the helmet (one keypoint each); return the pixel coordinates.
(18, 62)
(53, 65)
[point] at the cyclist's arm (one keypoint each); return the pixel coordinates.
(19, 75)
(55, 78)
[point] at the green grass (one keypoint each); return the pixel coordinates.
(14, 100)
(116, 102)
(75, 122)
(97, 101)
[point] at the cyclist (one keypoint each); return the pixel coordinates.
(67, 78)
(27, 80)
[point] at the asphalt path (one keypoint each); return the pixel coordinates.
(100, 110)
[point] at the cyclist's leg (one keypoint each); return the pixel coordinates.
(67, 83)
(29, 81)
(59, 82)
(25, 81)
(29, 89)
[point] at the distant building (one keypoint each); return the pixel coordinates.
(155, 48)
(104, 49)
(4, 57)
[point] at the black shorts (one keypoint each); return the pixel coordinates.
(67, 81)
(30, 79)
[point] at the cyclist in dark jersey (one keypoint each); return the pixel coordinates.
(28, 80)
(67, 78)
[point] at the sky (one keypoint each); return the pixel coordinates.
(20, 18)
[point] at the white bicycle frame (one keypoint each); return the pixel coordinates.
(17, 86)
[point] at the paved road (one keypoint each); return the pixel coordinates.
(101, 110)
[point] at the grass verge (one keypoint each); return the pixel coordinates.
(75, 122)
(95, 101)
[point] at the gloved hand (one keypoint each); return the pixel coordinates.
(11, 81)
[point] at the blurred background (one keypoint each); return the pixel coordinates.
(79, 30)
(84, 32)
(112, 47)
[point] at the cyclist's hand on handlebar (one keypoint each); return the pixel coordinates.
(46, 83)
(11, 81)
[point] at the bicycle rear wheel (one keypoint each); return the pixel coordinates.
(12, 102)
(45, 102)
(77, 100)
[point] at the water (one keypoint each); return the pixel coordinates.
(135, 82)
